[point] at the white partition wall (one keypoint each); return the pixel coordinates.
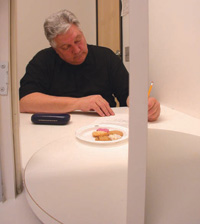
(138, 111)
(174, 43)
(6, 135)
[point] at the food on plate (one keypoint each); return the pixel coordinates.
(104, 134)
(99, 133)
(115, 132)
(114, 136)
(102, 138)
(103, 129)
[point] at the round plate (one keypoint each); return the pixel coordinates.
(85, 133)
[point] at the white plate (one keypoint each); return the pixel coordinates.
(85, 133)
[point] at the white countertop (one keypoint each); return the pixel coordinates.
(74, 175)
(34, 137)
(66, 179)
(174, 120)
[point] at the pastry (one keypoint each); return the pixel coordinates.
(103, 134)
(114, 136)
(115, 132)
(102, 138)
(99, 133)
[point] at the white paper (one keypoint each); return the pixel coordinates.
(121, 120)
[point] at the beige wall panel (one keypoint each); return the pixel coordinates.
(109, 24)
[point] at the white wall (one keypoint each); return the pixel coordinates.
(6, 136)
(138, 111)
(174, 28)
(174, 52)
(30, 19)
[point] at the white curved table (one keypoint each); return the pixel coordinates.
(70, 181)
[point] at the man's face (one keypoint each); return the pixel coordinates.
(72, 46)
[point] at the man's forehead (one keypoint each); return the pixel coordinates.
(67, 38)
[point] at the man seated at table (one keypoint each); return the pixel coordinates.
(73, 75)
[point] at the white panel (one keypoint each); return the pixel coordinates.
(175, 52)
(138, 111)
(6, 131)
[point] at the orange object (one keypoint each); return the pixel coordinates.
(150, 88)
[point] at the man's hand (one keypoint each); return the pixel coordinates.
(95, 103)
(153, 109)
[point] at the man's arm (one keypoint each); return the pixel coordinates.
(42, 103)
(153, 108)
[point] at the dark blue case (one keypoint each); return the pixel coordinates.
(52, 119)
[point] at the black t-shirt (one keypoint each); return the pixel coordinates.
(101, 73)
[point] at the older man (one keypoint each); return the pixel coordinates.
(73, 75)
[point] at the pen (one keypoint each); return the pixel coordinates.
(151, 85)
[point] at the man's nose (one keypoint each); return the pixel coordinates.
(75, 49)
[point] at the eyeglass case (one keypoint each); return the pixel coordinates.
(50, 119)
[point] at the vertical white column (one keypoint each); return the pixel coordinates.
(138, 111)
(6, 131)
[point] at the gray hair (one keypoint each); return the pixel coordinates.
(59, 23)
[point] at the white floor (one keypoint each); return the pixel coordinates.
(17, 211)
